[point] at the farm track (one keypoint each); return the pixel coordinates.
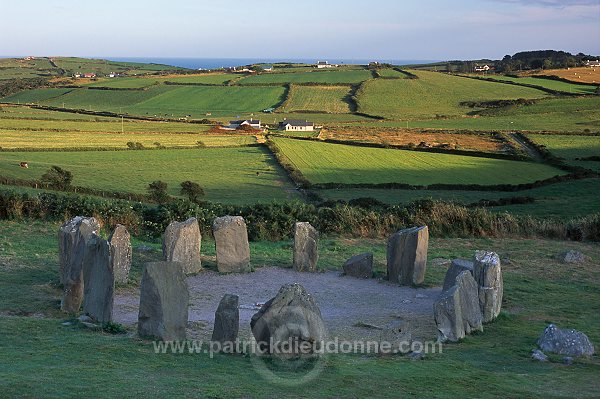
(530, 150)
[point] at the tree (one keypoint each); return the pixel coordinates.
(58, 178)
(192, 190)
(157, 191)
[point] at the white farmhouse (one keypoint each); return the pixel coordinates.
(251, 123)
(296, 126)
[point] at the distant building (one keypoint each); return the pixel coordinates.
(254, 124)
(267, 68)
(324, 64)
(89, 75)
(592, 63)
(292, 125)
(483, 68)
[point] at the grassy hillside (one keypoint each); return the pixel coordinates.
(571, 147)
(547, 83)
(335, 163)
(229, 175)
(433, 94)
(329, 99)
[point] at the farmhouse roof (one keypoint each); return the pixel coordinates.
(239, 122)
(296, 122)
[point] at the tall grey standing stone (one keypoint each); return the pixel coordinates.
(227, 320)
(488, 274)
(407, 256)
(457, 311)
(231, 243)
(291, 317)
(181, 243)
(306, 252)
(99, 280)
(360, 266)
(164, 300)
(72, 238)
(120, 250)
(456, 267)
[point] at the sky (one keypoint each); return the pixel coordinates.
(283, 29)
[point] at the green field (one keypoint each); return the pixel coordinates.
(336, 163)
(555, 200)
(36, 96)
(482, 365)
(432, 95)
(171, 101)
(229, 175)
(328, 77)
(328, 99)
(548, 84)
(123, 83)
(571, 147)
(391, 73)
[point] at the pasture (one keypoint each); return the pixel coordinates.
(163, 100)
(341, 76)
(228, 175)
(577, 75)
(571, 147)
(547, 83)
(345, 164)
(327, 99)
(433, 95)
(391, 73)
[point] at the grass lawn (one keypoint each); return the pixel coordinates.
(328, 99)
(44, 358)
(336, 163)
(330, 77)
(230, 175)
(433, 94)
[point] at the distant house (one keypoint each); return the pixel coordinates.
(292, 125)
(251, 123)
(267, 68)
(324, 64)
(484, 68)
(89, 75)
(592, 63)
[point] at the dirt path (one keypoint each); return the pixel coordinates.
(344, 302)
(530, 150)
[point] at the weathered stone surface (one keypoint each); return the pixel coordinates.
(72, 238)
(231, 243)
(164, 300)
(181, 243)
(99, 280)
(538, 355)
(397, 335)
(571, 257)
(306, 252)
(565, 342)
(456, 267)
(227, 320)
(457, 311)
(120, 250)
(292, 316)
(360, 266)
(488, 274)
(407, 256)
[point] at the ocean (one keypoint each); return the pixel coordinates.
(213, 63)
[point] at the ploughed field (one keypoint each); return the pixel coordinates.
(346, 164)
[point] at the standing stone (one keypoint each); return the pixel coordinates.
(291, 317)
(120, 250)
(72, 239)
(407, 256)
(99, 279)
(456, 267)
(164, 300)
(227, 320)
(488, 274)
(306, 253)
(181, 243)
(231, 242)
(565, 342)
(457, 311)
(360, 266)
